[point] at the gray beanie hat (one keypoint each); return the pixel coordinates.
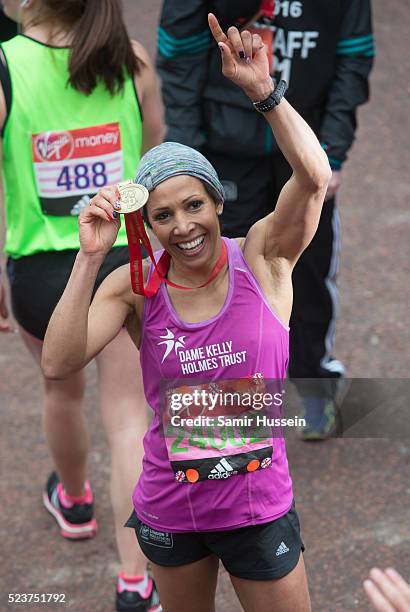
(173, 159)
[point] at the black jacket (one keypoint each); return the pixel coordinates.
(323, 48)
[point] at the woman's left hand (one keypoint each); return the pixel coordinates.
(387, 590)
(334, 184)
(244, 59)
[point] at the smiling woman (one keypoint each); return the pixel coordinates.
(181, 181)
(230, 499)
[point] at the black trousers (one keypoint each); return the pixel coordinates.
(252, 188)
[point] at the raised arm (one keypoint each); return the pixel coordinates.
(286, 232)
(78, 331)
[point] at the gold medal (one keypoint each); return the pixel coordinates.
(133, 196)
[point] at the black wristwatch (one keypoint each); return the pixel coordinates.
(273, 100)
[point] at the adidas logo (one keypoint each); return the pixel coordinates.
(221, 470)
(78, 207)
(282, 549)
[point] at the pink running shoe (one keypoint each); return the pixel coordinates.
(75, 520)
(129, 598)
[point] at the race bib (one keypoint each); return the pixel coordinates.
(71, 166)
(207, 439)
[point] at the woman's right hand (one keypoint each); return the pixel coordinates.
(244, 59)
(387, 590)
(99, 222)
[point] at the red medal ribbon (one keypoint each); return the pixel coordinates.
(136, 235)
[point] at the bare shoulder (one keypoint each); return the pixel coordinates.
(141, 52)
(145, 79)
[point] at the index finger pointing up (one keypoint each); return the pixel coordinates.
(216, 29)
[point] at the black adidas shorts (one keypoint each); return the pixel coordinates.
(260, 552)
(37, 283)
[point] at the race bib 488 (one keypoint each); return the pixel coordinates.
(71, 166)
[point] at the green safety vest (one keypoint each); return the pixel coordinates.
(59, 147)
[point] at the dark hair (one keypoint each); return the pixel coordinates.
(210, 191)
(101, 49)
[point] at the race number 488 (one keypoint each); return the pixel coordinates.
(83, 176)
(72, 164)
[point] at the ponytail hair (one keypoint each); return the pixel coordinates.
(101, 50)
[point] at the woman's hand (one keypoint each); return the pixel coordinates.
(99, 222)
(334, 184)
(387, 591)
(244, 60)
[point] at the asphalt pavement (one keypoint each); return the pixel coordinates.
(353, 494)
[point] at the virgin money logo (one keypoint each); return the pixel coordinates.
(171, 343)
(54, 146)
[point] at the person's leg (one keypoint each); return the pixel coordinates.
(315, 301)
(285, 594)
(188, 587)
(64, 424)
(315, 372)
(124, 413)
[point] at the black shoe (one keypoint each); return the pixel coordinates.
(321, 417)
(75, 520)
(132, 601)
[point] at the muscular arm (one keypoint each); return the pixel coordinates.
(274, 243)
(77, 332)
(288, 231)
(281, 237)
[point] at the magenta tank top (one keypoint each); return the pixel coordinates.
(205, 479)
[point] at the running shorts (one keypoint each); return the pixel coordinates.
(37, 283)
(258, 552)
